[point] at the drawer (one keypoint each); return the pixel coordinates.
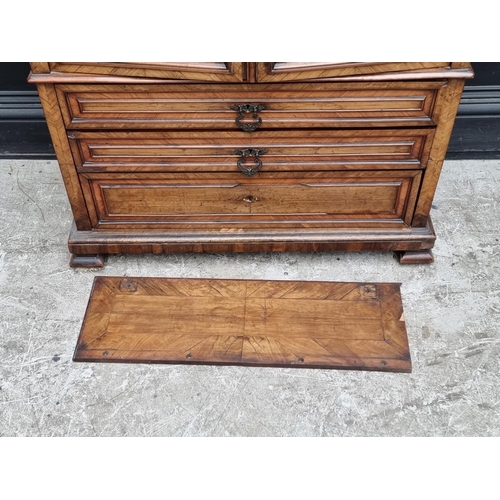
(280, 106)
(278, 150)
(232, 202)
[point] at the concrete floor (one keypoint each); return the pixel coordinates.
(452, 310)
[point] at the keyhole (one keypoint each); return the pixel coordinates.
(249, 199)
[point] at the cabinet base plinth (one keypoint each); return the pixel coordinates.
(89, 247)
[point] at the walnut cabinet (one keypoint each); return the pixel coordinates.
(243, 157)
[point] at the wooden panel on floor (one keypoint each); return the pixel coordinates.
(245, 322)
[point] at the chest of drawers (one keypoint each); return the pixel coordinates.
(243, 157)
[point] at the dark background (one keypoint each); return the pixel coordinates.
(24, 133)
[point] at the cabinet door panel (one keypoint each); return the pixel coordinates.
(211, 71)
(287, 71)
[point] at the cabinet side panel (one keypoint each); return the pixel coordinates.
(52, 112)
(446, 110)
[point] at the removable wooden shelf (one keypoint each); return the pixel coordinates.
(245, 322)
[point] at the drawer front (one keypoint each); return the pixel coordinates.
(224, 202)
(278, 151)
(280, 106)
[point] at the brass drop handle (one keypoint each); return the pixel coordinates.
(244, 109)
(254, 153)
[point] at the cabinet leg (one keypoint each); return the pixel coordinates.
(96, 260)
(416, 257)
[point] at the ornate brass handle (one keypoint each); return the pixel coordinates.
(254, 153)
(243, 109)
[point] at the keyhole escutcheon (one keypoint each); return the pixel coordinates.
(250, 199)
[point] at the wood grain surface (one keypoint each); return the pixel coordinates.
(245, 322)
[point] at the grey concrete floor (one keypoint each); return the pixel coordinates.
(452, 311)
